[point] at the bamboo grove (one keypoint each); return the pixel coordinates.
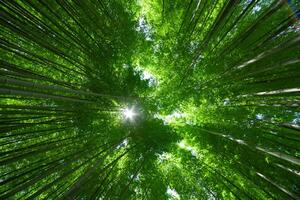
(214, 85)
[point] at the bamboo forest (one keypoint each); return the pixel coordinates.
(150, 99)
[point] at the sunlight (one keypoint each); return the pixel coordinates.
(259, 116)
(129, 113)
(124, 143)
(173, 193)
(182, 144)
(144, 28)
(164, 156)
(146, 75)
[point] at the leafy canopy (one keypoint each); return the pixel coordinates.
(150, 99)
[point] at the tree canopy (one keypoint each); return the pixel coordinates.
(150, 99)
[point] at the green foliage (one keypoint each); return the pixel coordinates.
(214, 86)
